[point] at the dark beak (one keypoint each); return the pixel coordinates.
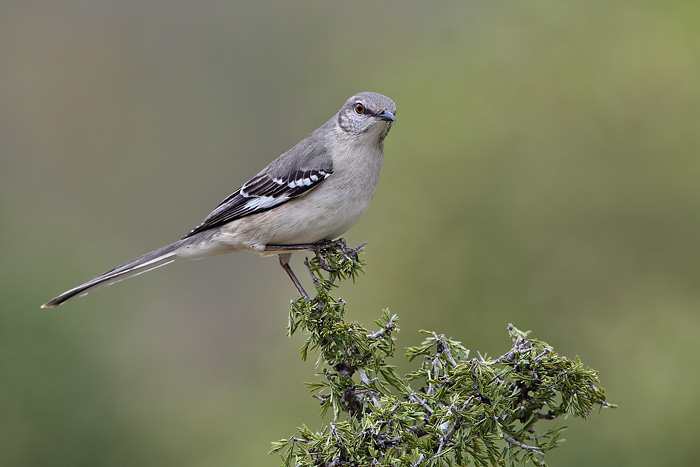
(386, 116)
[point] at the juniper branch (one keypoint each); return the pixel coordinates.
(474, 410)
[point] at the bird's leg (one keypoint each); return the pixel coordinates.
(284, 262)
(315, 247)
(340, 243)
(285, 257)
(318, 248)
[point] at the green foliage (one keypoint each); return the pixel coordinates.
(453, 410)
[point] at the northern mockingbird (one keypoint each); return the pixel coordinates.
(312, 193)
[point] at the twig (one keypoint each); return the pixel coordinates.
(445, 348)
(420, 401)
(315, 280)
(420, 460)
(389, 327)
(522, 445)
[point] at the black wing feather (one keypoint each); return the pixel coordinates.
(261, 193)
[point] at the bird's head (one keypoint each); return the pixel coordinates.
(367, 114)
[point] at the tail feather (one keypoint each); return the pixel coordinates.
(145, 263)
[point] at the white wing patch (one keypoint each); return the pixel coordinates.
(257, 203)
(308, 179)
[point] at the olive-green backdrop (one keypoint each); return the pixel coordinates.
(544, 171)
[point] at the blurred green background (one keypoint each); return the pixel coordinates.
(544, 171)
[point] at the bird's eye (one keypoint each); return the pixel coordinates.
(359, 108)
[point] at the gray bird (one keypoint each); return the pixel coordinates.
(312, 193)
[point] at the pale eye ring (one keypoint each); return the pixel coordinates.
(359, 108)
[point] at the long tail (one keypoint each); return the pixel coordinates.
(145, 263)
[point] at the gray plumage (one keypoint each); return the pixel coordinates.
(314, 192)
